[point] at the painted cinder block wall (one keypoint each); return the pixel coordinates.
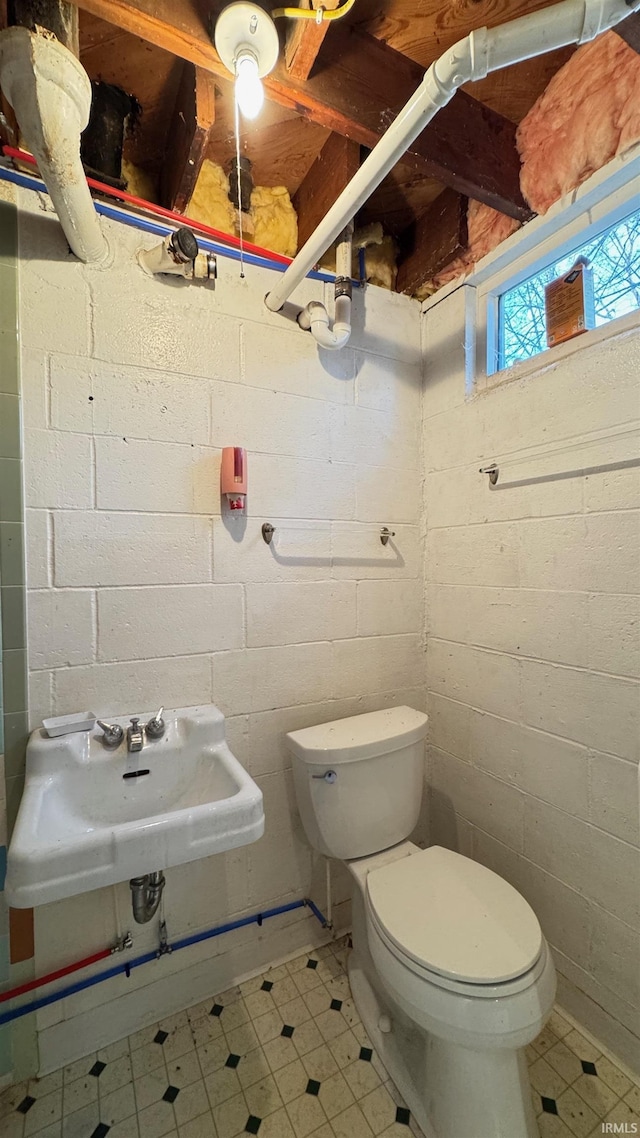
(533, 651)
(140, 593)
(532, 735)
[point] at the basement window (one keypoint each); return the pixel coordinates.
(615, 258)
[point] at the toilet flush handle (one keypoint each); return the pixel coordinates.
(328, 776)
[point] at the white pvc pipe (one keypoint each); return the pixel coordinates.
(50, 93)
(572, 21)
(315, 318)
(329, 898)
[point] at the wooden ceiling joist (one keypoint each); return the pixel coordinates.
(357, 89)
(433, 241)
(188, 136)
(332, 170)
(304, 40)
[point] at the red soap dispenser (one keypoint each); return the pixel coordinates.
(233, 476)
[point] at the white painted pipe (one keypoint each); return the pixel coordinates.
(572, 21)
(50, 93)
(315, 318)
(329, 906)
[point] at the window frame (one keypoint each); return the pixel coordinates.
(605, 199)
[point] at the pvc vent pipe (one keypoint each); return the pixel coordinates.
(50, 93)
(572, 21)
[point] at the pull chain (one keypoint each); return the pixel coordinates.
(237, 130)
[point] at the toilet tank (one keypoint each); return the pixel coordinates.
(359, 780)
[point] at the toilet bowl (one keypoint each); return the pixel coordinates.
(450, 972)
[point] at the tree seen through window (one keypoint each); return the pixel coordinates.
(615, 259)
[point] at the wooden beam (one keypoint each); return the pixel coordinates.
(304, 40)
(334, 167)
(188, 136)
(433, 241)
(359, 86)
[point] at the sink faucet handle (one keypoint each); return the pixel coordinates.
(113, 733)
(156, 727)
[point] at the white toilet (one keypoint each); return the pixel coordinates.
(450, 972)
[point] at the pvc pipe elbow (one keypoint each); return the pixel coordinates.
(315, 319)
(50, 93)
(331, 338)
(466, 60)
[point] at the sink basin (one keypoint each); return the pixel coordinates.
(88, 819)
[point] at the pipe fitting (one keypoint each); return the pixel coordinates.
(175, 255)
(315, 319)
(305, 317)
(50, 93)
(571, 21)
(343, 287)
(183, 245)
(205, 267)
(123, 944)
(146, 894)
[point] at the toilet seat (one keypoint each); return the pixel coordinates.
(455, 922)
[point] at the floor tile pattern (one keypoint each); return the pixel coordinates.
(285, 1055)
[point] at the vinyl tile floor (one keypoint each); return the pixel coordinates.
(285, 1055)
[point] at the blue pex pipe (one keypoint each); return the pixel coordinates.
(161, 230)
(126, 966)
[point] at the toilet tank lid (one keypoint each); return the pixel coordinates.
(359, 736)
(455, 917)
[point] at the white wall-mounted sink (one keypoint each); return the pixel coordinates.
(83, 825)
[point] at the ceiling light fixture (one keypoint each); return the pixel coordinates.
(247, 42)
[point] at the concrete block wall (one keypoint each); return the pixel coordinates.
(533, 650)
(141, 592)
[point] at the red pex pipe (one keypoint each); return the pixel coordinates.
(51, 976)
(159, 211)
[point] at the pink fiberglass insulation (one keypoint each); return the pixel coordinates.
(487, 228)
(588, 113)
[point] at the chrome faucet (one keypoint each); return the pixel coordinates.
(154, 729)
(156, 726)
(135, 736)
(114, 733)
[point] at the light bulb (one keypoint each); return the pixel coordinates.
(249, 89)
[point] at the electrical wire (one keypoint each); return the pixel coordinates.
(320, 14)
